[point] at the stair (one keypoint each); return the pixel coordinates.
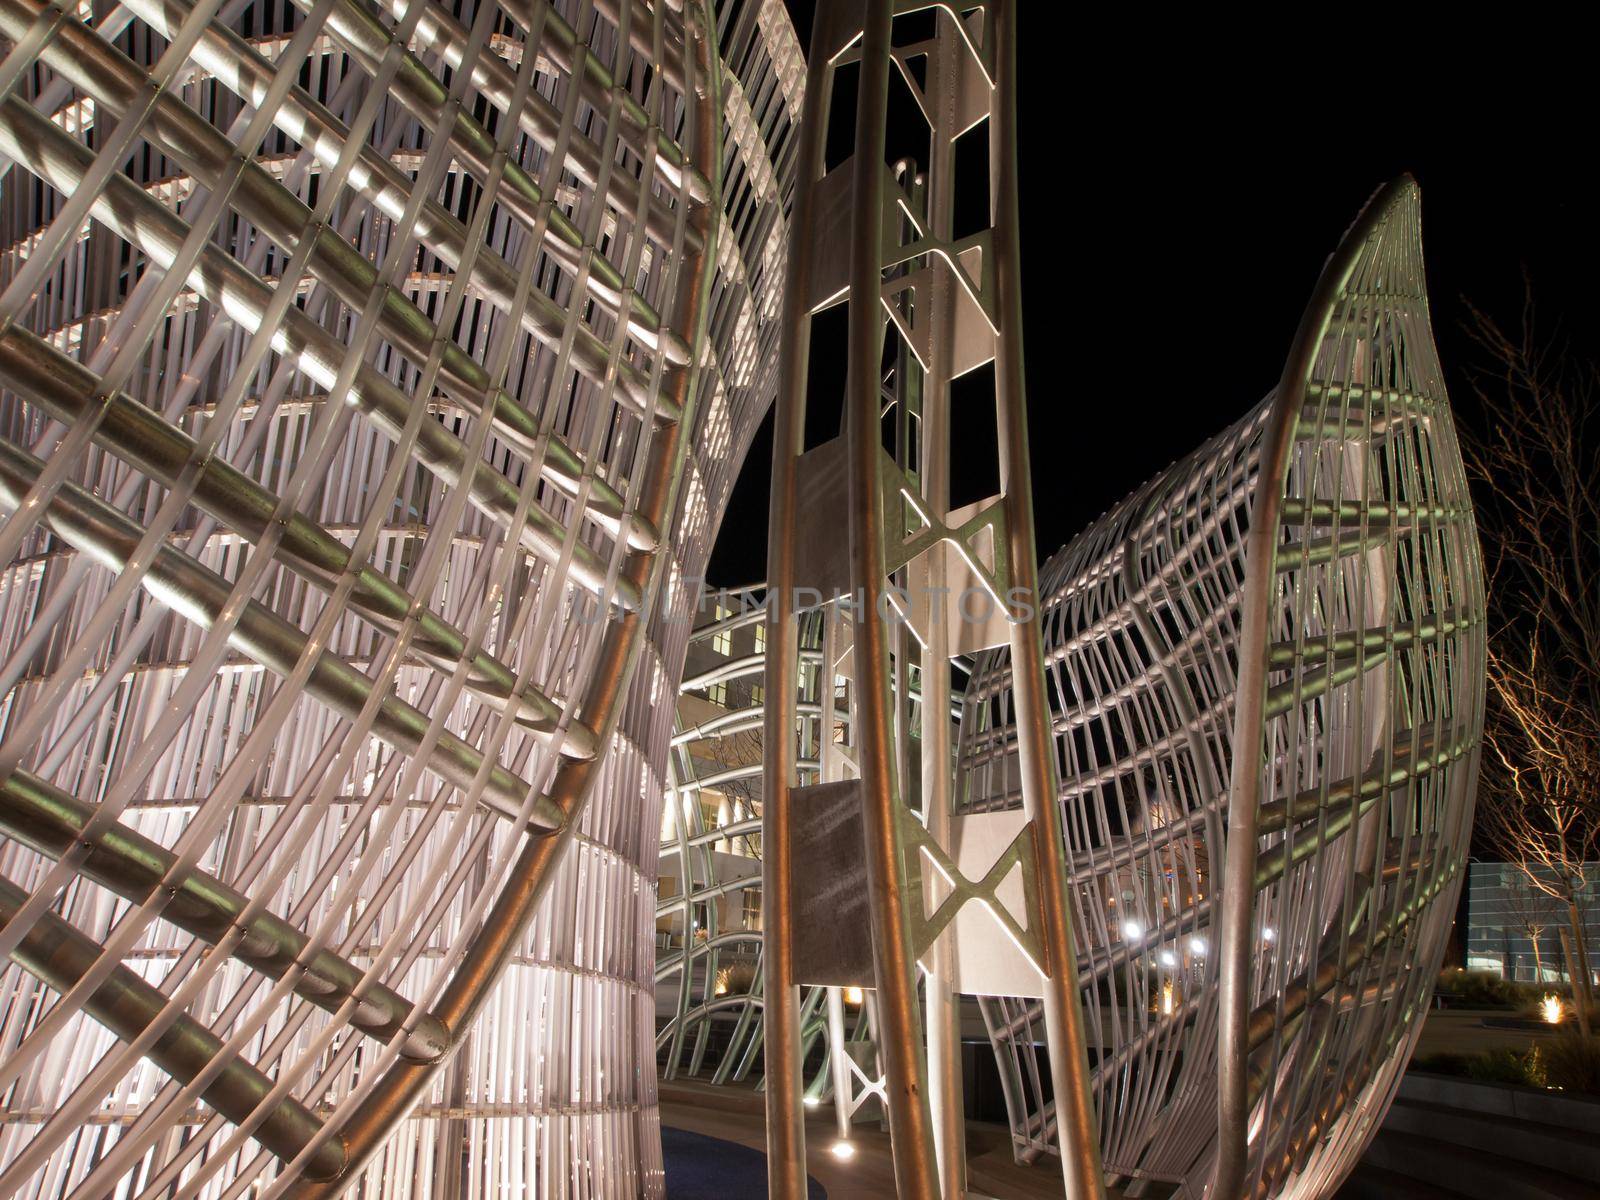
(1369, 1182)
(1448, 1139)
(1570, 1151)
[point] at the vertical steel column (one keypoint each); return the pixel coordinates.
(829, 769)
(781, 1020)
(894, 955)
(945, 1091)
(1069, 1067)
(839, 1064)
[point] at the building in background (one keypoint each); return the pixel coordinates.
(1515, 930)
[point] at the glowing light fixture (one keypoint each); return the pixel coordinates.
(1551, 1009)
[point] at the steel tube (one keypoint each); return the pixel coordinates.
(1255, 638)
(131, 865)
(1069, 1067)
(946, 1094)
(780, 1014)
(59, 955)
(894, 955)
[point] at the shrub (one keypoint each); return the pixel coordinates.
(1572, 1063)
(741, 978)
(1443, 1064)
(1507, 1066)
(1477, 989)
(1484, 989)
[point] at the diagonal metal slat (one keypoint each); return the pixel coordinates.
(125, 207)
(97, 529)
(65, 388)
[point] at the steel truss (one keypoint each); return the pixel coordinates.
(374, 376)
(1266, 672)
(928, 304)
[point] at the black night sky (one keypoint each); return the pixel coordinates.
(1180, 197)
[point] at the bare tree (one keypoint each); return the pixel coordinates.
(1534, 912)
(1537, 467)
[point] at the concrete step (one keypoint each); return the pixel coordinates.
(1581, 1113)
(1570, 1151)
(1368, 1182)
(1468, 1171)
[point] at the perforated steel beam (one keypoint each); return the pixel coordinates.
(881, 240)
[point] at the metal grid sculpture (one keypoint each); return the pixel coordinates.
(1266, 676)
(716, 763)
(353, 425)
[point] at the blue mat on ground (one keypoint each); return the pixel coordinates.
(708, 1168)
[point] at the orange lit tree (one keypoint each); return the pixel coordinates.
(1536, 465)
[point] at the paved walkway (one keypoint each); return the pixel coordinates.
(1462, 1031)
(737, 1115)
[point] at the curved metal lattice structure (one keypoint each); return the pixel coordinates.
(1266, 674)
(710, 992)
(708, 903)
(374, 376)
